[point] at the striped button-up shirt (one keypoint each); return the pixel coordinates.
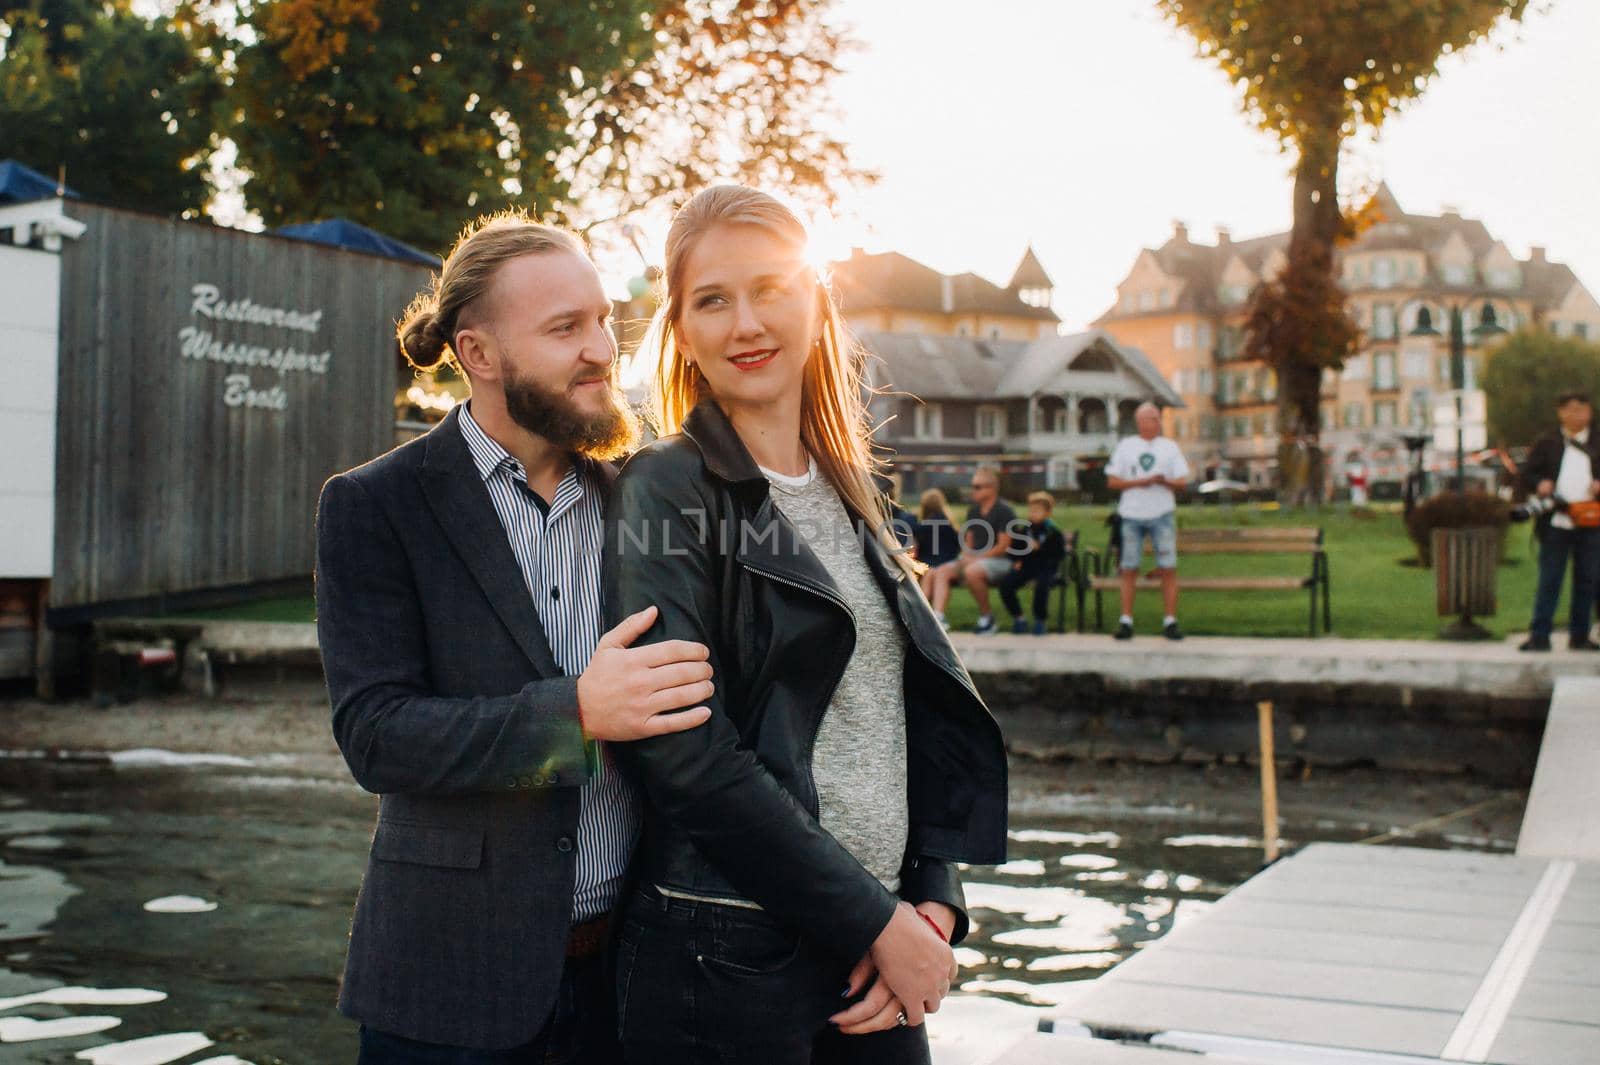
(558, 548)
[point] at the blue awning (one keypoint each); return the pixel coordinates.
(20, 184)
(343, 233)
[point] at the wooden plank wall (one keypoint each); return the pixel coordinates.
(163, 488)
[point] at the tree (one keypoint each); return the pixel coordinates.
(734, 91)
(415, 118)
(124, 103)
(1312, 73)
(1526, 373)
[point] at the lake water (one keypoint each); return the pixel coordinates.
(198, 912)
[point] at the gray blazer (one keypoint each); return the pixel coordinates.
(448, 704)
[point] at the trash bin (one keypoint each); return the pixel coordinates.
(1464, 567)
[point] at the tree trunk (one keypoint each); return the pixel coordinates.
(1301, 464)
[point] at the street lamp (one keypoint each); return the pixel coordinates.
(1488, 326)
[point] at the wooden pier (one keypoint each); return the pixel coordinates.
(1363, 955)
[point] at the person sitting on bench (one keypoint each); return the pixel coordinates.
(1146, 469)
(1038, 563)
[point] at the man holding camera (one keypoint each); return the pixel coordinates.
(1562, 471)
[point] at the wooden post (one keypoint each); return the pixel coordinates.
(1269, 782)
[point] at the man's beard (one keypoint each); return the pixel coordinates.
(551, 413)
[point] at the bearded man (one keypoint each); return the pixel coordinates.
(458, 610)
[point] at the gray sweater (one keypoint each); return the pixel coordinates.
(859, 761)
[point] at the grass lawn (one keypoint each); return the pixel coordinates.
(1373, 594)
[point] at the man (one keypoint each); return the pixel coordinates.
(1564, 465)
(985, 538)
(458, 609)
(1146, 469)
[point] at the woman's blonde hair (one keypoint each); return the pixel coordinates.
(933, 504)
(428, 328)
(834, 422)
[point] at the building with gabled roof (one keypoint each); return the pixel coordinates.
(893, 293)
(1038, 410)
(1184, 304)
(969, 373)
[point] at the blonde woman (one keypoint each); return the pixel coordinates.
(797, 889)
(937, 538)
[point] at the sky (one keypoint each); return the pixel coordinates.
(1086, 127)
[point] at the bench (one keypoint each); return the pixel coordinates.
(1098, 572)
(1067, 578)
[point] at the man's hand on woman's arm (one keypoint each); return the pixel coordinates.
(629, 693)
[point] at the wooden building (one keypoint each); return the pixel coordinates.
(179, 392)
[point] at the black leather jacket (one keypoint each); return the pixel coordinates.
(732, 808)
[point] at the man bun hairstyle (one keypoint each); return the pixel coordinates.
(422, 342)
(428, 329)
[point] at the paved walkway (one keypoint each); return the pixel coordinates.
(1495, 668)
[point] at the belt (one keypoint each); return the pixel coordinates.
(589, 939)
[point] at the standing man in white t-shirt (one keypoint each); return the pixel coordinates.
(1146, 469)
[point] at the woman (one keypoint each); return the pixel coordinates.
(938, 539)
(797, 885)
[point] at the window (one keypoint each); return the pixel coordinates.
(1580, 330)
(1183, 336)
(989, 423)
(1382, 273)
(1233, 294)
(1241, 426)
(1269, 384)
(1208, 426)
(1416, 364)
(1358, 271)
(1352, 415)
(1502, 278)
(1383, 321)
(1166, 297)
(1383, 415)
(1061, 421)
(1383, 370)
(1457, 273)
(927, 421)
(1202, 337)
(1413, 270)
(1229, 342)
(1206, 383)
(1555, 328)
(1419, 407)
(1147, 301)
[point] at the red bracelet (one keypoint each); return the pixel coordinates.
(934, 925)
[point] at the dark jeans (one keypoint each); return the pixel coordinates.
(1041, 592)
(699, 983)
(1582, 547)
(581, 1031)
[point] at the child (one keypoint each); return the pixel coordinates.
(1038, 565)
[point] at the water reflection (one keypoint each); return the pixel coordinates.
(262, 890)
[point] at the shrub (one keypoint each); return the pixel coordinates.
(1455, 510)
